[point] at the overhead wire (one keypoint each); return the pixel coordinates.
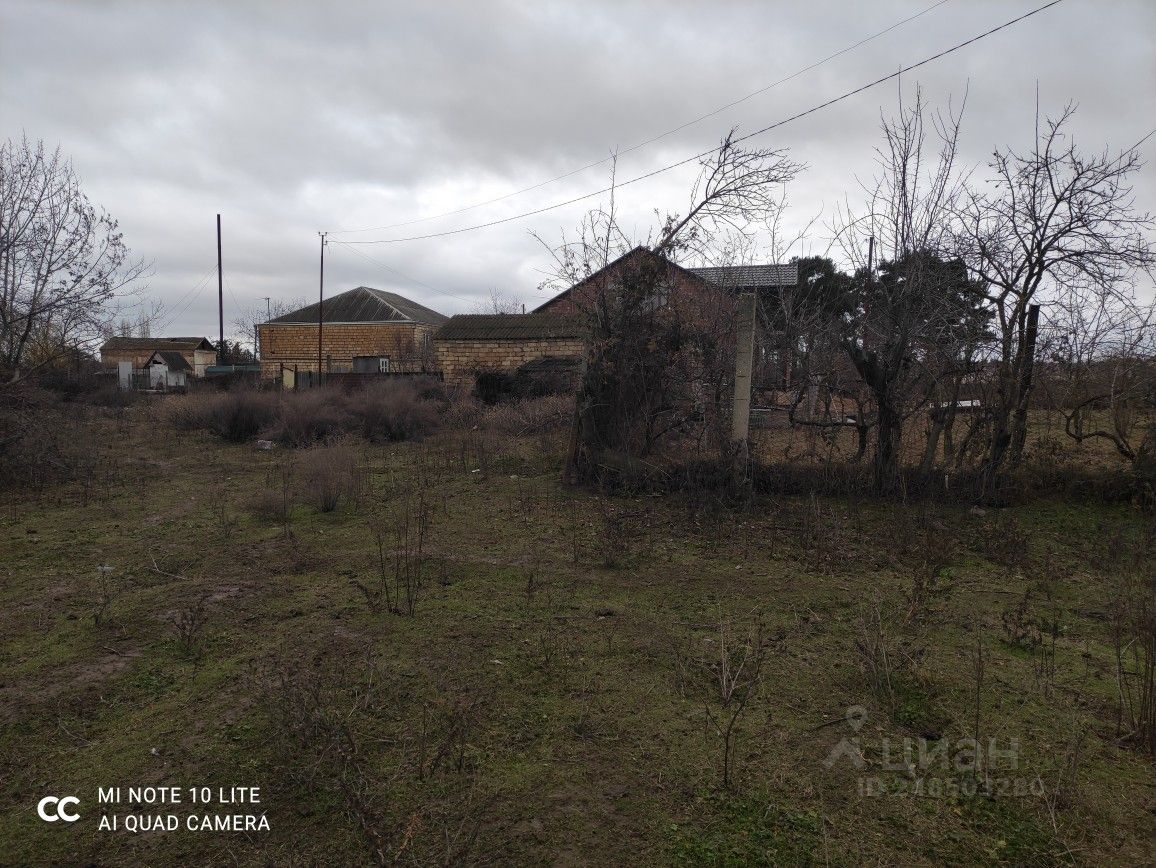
(652, 139)
(653, 173)
(192, 294)
(400, 274)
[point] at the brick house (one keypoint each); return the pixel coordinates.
(364, 330)
(710, 289)
(197, 353)
(471, 343)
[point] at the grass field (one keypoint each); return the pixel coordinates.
(582, 680)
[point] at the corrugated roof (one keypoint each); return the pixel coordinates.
(366, 304)
(510, 327)
(750, 276)
(173, 360)
(186, 344)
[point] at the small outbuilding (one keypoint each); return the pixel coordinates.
(472, 344)
(196, 353)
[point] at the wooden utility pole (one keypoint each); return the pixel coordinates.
(220, 298)
(741, 411)
(320, 305)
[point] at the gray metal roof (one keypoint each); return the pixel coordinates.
(128, 344)
(366, 305)
(750, 276)
(510, 327)
(172, 359)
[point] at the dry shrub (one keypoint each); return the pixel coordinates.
(1134, 642)
(186, 412)
(463, 411)
(43, 440)
(241, 414)
(393, 410)
(274, 501)
(237, 416)
(530, 416)
(330, 473)
(312, 416)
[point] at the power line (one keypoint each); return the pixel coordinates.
(400, 274)
(191, 295)
(700, 155)
(652, 139)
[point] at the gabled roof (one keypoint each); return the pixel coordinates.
(747, 277)
(510, 327)
(171, 358)
(179, 344)
(365, 305)
(637, 252)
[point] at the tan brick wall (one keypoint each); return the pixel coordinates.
(460, 360)
(197, 359)
(296, 344)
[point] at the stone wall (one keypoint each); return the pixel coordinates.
(295, 344)
(459, 360)
(197, 359)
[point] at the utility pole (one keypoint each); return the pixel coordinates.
(220, 298)
(320, 305)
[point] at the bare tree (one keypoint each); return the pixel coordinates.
(63, 263)
(737, 191)
(1099, 370)
(498, 303)
(246, 321)
(1053, 220)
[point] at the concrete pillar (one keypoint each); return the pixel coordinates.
(741, 408)
(744, 362)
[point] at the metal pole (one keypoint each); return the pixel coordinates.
(320, 305)
(220, 298)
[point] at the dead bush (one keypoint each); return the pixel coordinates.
(463, 411)
(43, 440)
(274, 501)
(393, 410)
(399, 537)
(188, 623)
(241, 414)
(529, 416)
(312, 416)
(1134, 642)
(346, 730)
(186, 412)
(330, 473)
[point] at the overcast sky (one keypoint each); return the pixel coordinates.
(289, 118)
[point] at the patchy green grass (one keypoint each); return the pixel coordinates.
(555, 697)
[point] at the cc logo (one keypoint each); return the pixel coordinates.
(53, 808)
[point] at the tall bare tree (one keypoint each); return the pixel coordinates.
(1053, 220)
(63, 263)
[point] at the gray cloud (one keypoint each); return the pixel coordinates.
(293, 117)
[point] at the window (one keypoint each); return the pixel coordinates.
(371, 364)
